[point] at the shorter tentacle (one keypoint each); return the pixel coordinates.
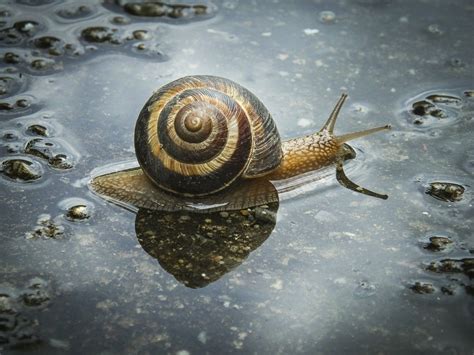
(346, 182)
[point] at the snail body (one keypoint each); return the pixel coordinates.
(207, 140)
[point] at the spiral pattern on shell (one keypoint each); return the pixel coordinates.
(199, 134)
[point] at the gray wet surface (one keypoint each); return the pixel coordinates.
(335, 272)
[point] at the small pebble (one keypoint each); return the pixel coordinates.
(21, 170)
(438, 243)
(445, 191)
(422, 288)
(79, 212)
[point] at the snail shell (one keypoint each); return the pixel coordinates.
(197, 135)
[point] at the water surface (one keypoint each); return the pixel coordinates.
(336, 272)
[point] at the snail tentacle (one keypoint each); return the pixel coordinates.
(331, 122)
(349, 184)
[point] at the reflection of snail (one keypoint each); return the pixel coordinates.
(198, 249)
(204, 140)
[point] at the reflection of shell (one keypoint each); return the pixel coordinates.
(198, 249)
(198, 134)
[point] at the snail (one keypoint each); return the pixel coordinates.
(207, 143)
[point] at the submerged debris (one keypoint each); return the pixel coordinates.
(38, 129)
(465, 266)
(435, 108)
(47, 228)
(438, 243)
(445, 191)
(43, 148)
(422, 288)
(100, 34)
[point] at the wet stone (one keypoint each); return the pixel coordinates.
(21, 170)
(79, 212)
(11, 58)
(422, 108)
(99, 35)
(23, 103)
(141, 35)
(465, 266)
(61, 161)
(18, 105)
(445, 191)
(422, 288)
(160, 9)
(438, 243)
(38, 130)
(6, 106)
(52, 44)
(469, 93)
(141, 47)
(265, 215)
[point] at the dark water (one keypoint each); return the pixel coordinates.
(337, 272)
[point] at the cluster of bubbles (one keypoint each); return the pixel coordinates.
(29, 47)
(41, 38)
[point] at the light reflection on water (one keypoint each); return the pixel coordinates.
(335, 273)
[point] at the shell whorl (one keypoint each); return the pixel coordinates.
(199, 134)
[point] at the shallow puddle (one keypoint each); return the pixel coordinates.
(324, 271)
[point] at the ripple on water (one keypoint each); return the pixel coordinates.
(450, 189)
(437, 108)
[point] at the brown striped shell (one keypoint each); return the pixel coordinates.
(199, 134)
